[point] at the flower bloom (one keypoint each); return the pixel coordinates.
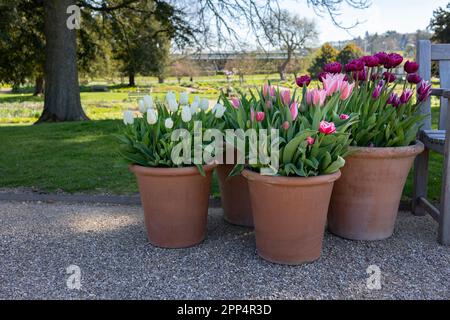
(269, 104)
(327, 127)
(186, 114)
(152, 116)
(172, 105)
(235, 103)
(316, 97)
(218, 110)
(346, 90)
(128, 117)
(322, 76)
(389, 77)
(252, 115)
(303, 81)
(285, 125)
(310, 141)
(333, 68)
(424, 91)
(382, 57)
(184, 98)
(414, 78)
(260, 115)
(286, 97)
(333, 82)
(406, 96)
(360, 75)
(168, 123)
(393, 61)
(268, 90)
(294, 110)
(411, 67)
(378, 89)
(142, 107)
(394, 100)
(355, 65)
(344, 116)
(148, 101)
(374, 77)
(371, 61)
(204, 104)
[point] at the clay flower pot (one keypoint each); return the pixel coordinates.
(366, 199)
(289, 215)
(235, 197)
(175, 202)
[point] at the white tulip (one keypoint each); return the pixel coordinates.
(186, 115)
(184, 98)
(194, 107)
(148, 101)
(168, 123)
(128, 117)
(218, 110)
(197, 99)
(142, 107)
(172, 105)
(204, 104)
(170, 96)
(152, 117)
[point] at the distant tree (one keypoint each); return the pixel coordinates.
(290, 34)
(326, 54)
(349, 52)
(184, 68)
(440, 25)
(242, 65)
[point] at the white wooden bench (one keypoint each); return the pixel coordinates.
(434, 140)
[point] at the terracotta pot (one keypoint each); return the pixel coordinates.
(289, 215)
(175, 202)
(235, 197)
(366, 199)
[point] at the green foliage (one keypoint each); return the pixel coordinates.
(349, 52)
(326, 54)
(440, 24)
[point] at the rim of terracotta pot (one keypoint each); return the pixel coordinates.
(388, 152)
(291, 181)
(157, 171)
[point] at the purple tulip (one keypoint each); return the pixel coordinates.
(303, 81)
(355, 65)
(389, 77)
(393, 61)
(424, 91)
(411, 67)
(394, 100)
(322, 76)
(371, 61)
(374, 77)
(414, 78)
(334, 68)
(378, 89)
(382, 57)
(360, 75)
(406, 96)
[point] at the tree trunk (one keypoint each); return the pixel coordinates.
(160, 79)
(283, 66)
(62, 89)
(131, 80)
(39, 86)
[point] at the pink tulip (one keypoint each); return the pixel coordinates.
(346, 90)
(316, 97)
(294, 110)
(327, 127)
(268, 90)
(286, 97)
(344, 116)
(235, 103)
(252, 115)
(310, 141)
(285, 125)
(260, 115)
(269, 104)
(333, 82)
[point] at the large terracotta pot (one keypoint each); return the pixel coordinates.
(289, 215)
(175, 202)
(366, 199)
(234, 196)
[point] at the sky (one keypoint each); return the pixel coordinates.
(403, 16)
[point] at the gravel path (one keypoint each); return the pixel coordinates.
(38, 241)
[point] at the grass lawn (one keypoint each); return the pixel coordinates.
(82, 156)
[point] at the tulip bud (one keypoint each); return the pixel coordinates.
(327, 127)
(285, 125)
(172, 105)
(303, 81)
(168, 123)
(204, 104)
(142, 107)
(411, 67)
(148, 101)
(186, 114)
(218, 110)
(184, 98)
(260, 115)
(414, 78)
(128, 117)
(344, 117)
(152, 117)
(310, 141)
